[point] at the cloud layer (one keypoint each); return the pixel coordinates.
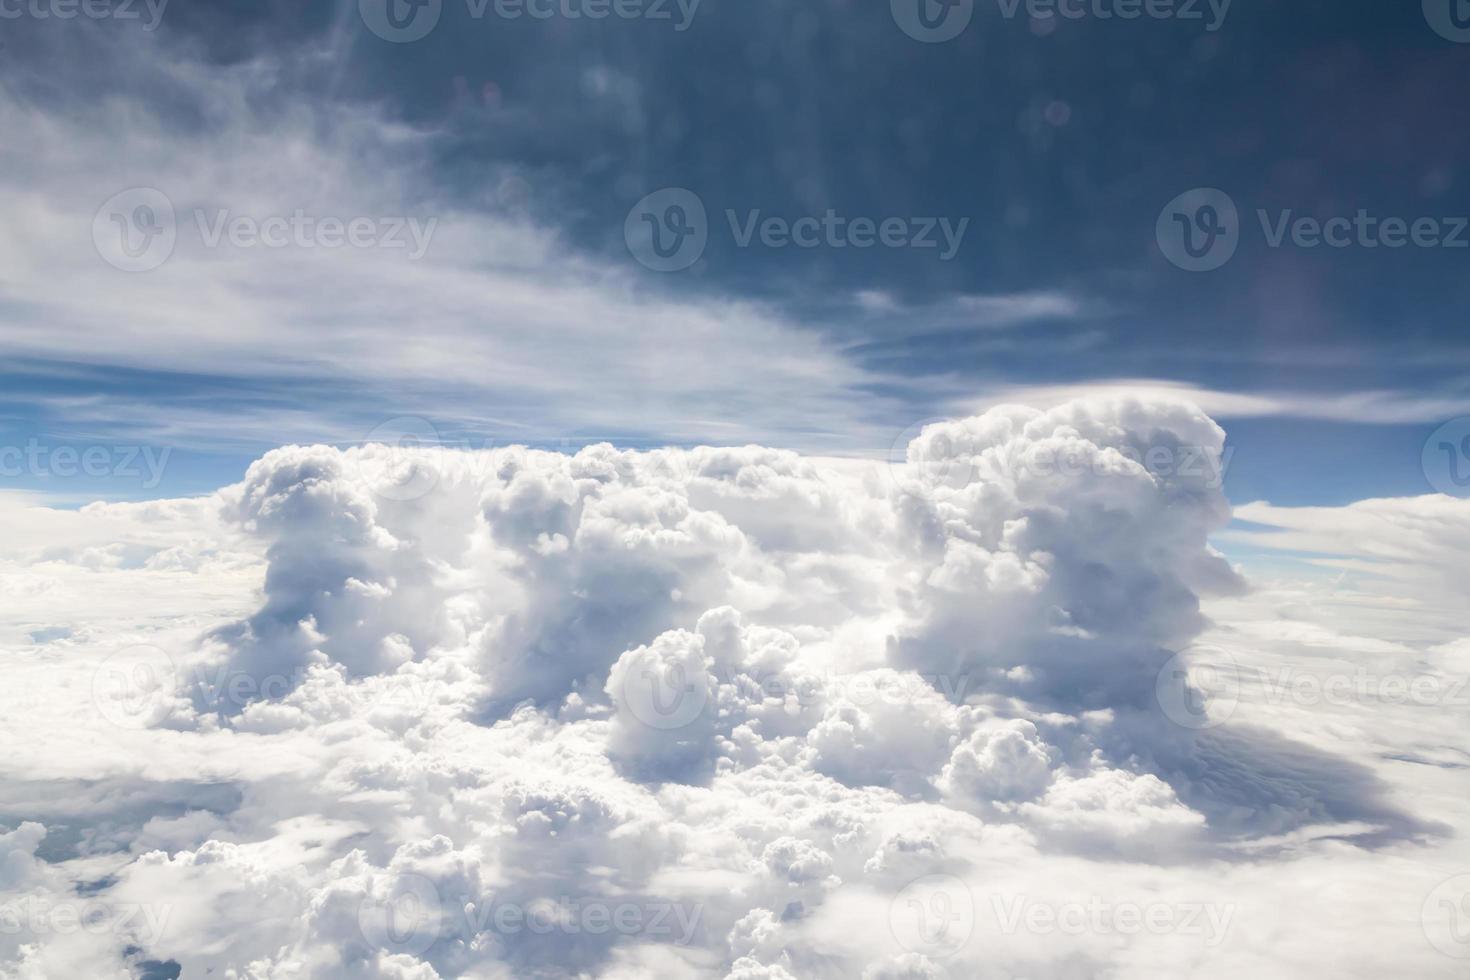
(412, 712)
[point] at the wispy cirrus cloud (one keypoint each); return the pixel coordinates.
(1378, 407)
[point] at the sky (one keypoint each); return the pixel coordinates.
(1047, 149)
(711, 490)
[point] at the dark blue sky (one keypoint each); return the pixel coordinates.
(1060, 141)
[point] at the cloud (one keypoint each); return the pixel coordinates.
(1018, 528)
(1368, 407)
(500, 312)
(1000, 765)
(506, 325)
(1404, 545)
(424, 712)
(968, 310)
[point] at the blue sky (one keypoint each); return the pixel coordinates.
(1057, 142)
